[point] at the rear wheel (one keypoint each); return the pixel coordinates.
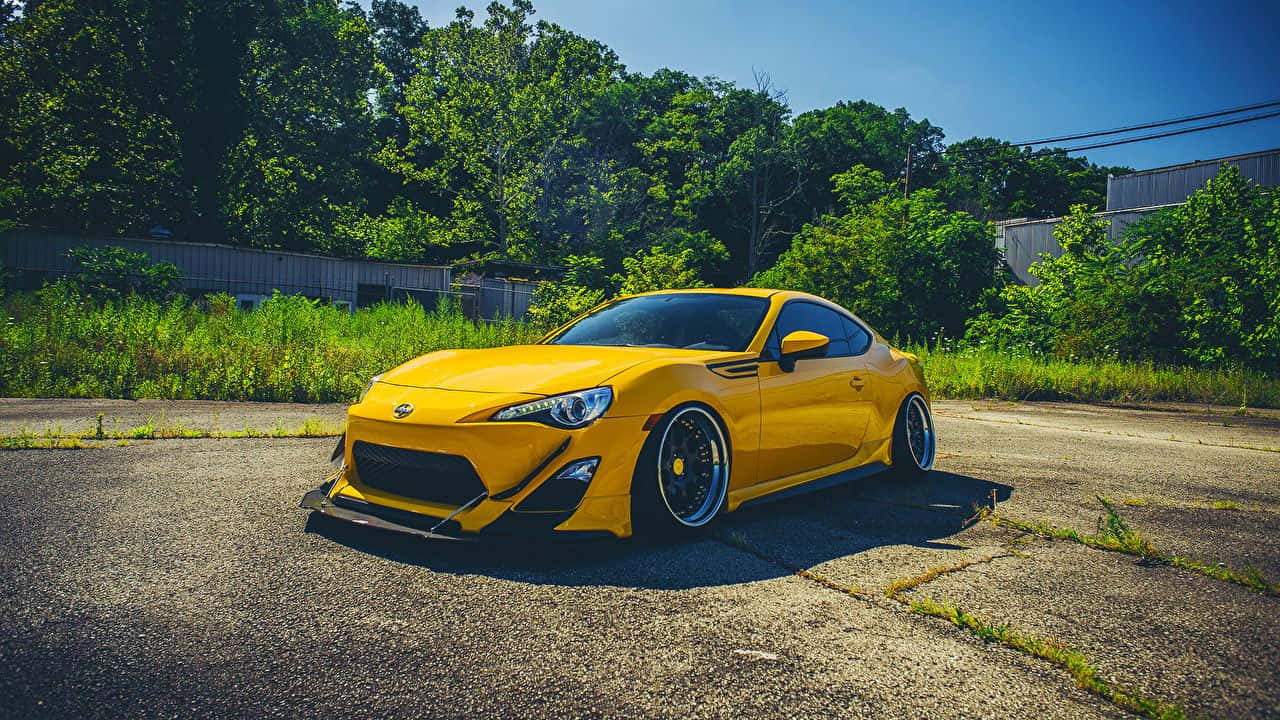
(915, 443)
(682, 477)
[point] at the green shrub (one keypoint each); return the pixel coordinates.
(112, 272)
(1197, 284)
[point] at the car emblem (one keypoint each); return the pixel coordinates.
(403, 410)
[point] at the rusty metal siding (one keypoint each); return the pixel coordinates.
(222, 268)
(1164, 186)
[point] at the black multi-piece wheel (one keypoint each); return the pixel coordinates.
(914, 441)
(683, 475)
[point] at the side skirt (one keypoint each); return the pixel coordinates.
(821, 483)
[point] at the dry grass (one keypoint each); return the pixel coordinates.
(902, 585)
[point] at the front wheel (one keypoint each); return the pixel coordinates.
(682, 477)
(915, 444)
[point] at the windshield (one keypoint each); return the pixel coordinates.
(692, 321)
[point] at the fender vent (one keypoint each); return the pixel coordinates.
(416, 474)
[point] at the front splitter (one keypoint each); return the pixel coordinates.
(319, 501)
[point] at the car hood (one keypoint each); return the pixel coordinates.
(535, 369)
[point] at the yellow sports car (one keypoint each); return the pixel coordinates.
(651, 412)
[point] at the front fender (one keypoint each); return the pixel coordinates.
(656, 387)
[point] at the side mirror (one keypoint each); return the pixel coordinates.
(801, 344)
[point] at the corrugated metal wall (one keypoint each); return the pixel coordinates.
(496, 298)
(1023, 243)
(1164, 186)
(234, 270)
(248, 272)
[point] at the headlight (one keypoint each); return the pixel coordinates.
(571, 410)
(368, 387)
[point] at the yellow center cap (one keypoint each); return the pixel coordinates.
(677, 466)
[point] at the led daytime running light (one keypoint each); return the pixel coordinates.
(571, 410)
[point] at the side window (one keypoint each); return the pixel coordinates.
(859, 339)
(814, 318)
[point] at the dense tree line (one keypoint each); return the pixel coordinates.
(313, 125)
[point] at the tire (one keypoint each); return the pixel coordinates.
(915, 441)
(682, 477)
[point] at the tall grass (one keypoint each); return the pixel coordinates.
(56, 344)
(975, 373)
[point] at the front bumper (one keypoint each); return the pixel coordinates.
(511, 459)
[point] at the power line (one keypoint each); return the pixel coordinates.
(1112, 143)
(1171, 133)
(1129, 128)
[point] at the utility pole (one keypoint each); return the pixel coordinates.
(906, 190)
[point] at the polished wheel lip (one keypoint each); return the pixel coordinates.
(715, 495)
(921, 439)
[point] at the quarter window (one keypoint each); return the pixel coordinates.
(859, 339)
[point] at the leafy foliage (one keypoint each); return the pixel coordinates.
(322, 126)
(113, 272)
(1195, 284)
(657, 269)
(326, 127)
(906, 265)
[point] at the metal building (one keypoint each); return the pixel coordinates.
(1175, 183)
(32, 256)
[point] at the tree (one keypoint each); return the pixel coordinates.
(112, 272)
(83, 137)
(492, 110)
(761, 173)
(657, 269)
(398, 32)
(1193, 284)
(834, 139)
(909, 266)
(295, 169)
(992, 179)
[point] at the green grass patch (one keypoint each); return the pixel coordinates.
(1153, 501)
(25, 439)
(901, 585)
(1074, 662)
(161, 428)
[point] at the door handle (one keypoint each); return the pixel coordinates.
(857, 383)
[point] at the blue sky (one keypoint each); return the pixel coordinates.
(1014, 70)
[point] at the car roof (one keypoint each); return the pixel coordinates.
(744, 291)
(749, 292)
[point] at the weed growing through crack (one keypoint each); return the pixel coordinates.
(1114, 534)
(902, 585)
(1046, 648)
(1077, 664)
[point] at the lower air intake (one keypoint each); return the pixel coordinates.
(416, 474)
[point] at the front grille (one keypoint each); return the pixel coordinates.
(428, 476)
